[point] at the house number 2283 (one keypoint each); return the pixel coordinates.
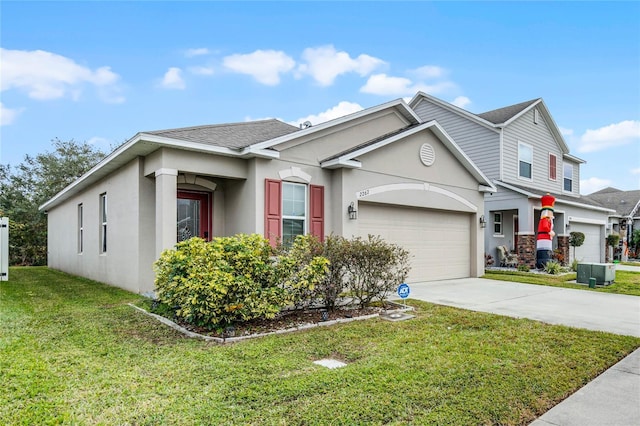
(363, 193)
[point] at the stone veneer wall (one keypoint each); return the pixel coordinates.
(527, 250)
(563, 246)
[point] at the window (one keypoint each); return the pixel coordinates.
(535, 116)
(525, 160)
(80, 229)
(103, 223)
(568, 178)
(553, 166)
(294, 211)
(497, 223)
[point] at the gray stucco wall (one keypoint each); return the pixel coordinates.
(120, 265)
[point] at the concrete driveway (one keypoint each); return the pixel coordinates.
(615, 313)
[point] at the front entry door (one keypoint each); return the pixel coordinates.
(194, 215)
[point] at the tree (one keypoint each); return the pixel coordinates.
(576, 239)
(29, 185)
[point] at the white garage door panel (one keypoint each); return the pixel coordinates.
(590, 250)
(439, 242)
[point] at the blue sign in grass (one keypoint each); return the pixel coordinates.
(403, 290)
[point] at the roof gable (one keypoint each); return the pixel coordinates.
(623, 202)
(502, 115)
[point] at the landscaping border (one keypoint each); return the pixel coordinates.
(223, 340)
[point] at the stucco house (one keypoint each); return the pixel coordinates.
(625, 218)
(521, 150)
(381, 171)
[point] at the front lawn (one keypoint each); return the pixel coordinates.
(626, 282)
(72, 351)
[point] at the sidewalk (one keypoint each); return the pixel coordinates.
(613, 398)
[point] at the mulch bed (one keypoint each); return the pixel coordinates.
(288, 320)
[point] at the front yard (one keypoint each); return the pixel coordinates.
(626, 282)
(72, 351)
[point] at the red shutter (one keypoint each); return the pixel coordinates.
(552, 167)
(272, 210)
(316, 211)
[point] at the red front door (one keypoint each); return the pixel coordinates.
(194, 215)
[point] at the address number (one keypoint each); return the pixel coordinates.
(363, 193)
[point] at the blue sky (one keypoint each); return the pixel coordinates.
(102, 71)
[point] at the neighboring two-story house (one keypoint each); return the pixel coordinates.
(521, 150)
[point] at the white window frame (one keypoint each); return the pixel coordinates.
(103, 223)
(80, 228)
(565, 178)
(555, 179)
(529, 147)
(535, 116)
(499, 222)
(304, 218)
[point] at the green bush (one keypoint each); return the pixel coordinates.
(523, 268)
(374, 268)
(552, 267)
(574, 265)
(613, 240)
(232, 279)
(336, 249)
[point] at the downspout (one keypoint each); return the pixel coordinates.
(501, 152)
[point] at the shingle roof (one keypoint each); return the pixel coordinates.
(502, 115)
(370, 142)
(623, 202)
(230, 135)
(560, 197)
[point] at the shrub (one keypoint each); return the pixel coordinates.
(336, 250)
(558, 256)
(488, 260)
(523, 268)
(375, 268)
(552, 267)
(232, 279)
(613, 240)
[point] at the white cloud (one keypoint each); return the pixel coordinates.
(461, 101)
(635, 171)
(202, 70)
(609, 136)
(263, 65)
(190, 53)
(429, 72)
(382, 84)
(45, 75)
(325, 63)
(565, 132)
(340, 110)
(173, 79)
(8, 115)
(587, 186)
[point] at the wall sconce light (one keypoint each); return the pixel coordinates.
(568, 226)
(483, 222)
(353, 213)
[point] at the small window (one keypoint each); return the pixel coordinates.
(525, 160)
(497, 223)
(553, 167)
(103, 223)
(568, 178)
(535, 116)
(80, 229)
(294, 211)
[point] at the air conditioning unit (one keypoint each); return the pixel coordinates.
(604, 273)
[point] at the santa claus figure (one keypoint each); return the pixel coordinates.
(544, 241)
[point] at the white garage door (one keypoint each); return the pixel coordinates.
(439, 242)
(590, 250)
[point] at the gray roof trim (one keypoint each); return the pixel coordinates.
(574, 158)
(440, 133)
(398, 104)
(558, 197)
(455, 109)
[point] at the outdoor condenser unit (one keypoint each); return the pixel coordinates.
(604, 273)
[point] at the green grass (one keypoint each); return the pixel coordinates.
(73, 352)
(626, 282)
